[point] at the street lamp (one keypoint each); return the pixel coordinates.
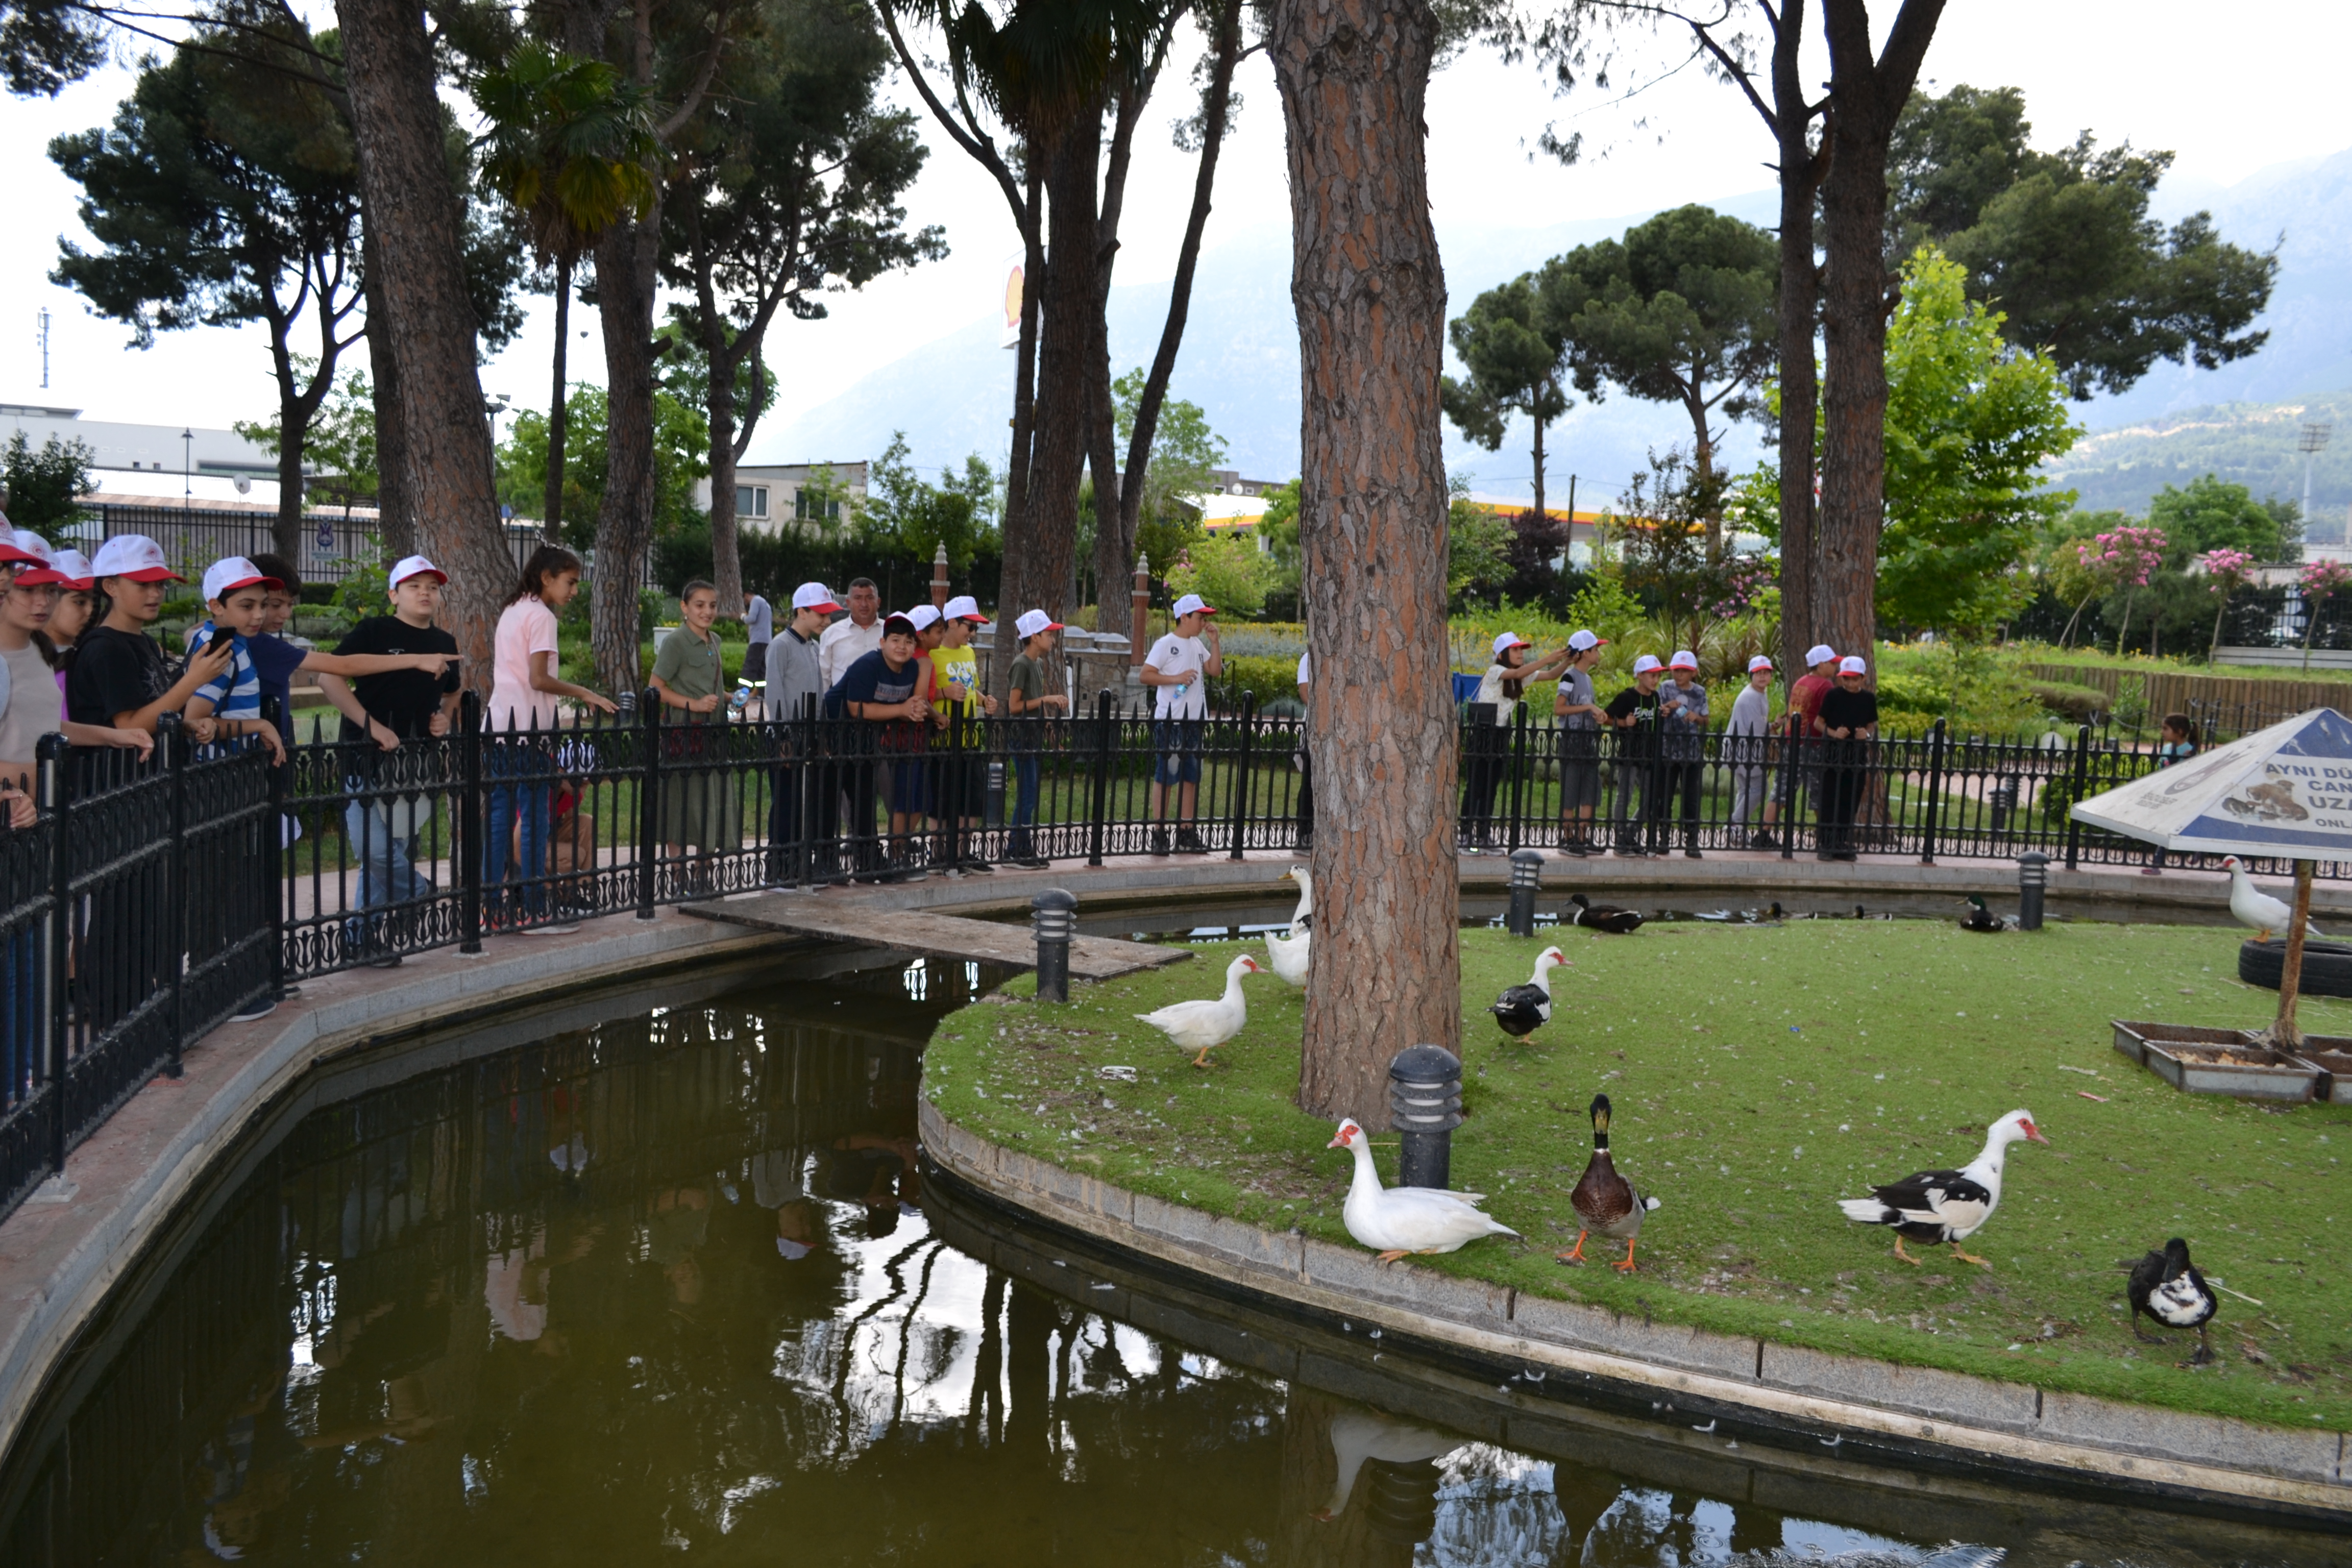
(2314, 442)
(188, 468)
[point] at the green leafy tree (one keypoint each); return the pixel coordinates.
(226, 191)
(1681, 311)
(1970, 421)
(1659, 530)
(2212, 514)
(1512, 348)
(1477, 542)
(2062, 243)
(44, 485)
(1278, 526)
(1228, 569)
(1185, 456)
(908, 516)
(681, 440)
(341, 447)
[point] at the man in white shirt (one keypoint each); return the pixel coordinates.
(1179, 667)
(845, 642)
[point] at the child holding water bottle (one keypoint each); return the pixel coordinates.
(1179, 667)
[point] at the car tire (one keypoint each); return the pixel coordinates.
(2327, 966)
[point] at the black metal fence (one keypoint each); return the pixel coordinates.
(150, 899)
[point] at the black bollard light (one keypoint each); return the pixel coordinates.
(627, 704)
(1425, 1104)
(1053, 918)
(1526, 875)
(995, 800)
(2032, 879)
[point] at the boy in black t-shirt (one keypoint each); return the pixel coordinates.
(382, 714)
(118, 680)
(1634, 714)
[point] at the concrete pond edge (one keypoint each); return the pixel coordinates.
(2096, 1440)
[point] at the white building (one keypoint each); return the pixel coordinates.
(154, 462)
(773, 495)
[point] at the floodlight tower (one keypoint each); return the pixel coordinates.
(2314, 442)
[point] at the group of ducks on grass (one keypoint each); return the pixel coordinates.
(1944, 1206)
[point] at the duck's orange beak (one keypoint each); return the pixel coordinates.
(2036, 1133)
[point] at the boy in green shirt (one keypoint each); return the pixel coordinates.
(1030, 700)
(696, 806)
(955, 697)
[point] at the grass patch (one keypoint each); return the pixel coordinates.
(1758, 1074)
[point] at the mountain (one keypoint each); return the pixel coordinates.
(1240, 364)
(2253, 444)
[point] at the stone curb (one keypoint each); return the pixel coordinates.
(58, 1261)
(2100, 1439)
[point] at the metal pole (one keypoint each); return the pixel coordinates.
(469, 822)
(1935, 792)
(1105, 712)
(2082, 778)
(1425, 1105)
(1053, 920)
(1240, 813)
(55, 784)
(649, 737)
(1519, 759)
(173, 758)
(273, 862)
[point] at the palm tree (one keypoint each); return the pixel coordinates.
(570, 147)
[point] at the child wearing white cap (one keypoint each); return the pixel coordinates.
(1030, 703)
(795, 685)
(118, 680)
(1849, 719)
(1634, 714)
(1178, 668)
(1581, 716)
(1483, 746)
(1682, 742)
(1747, 739)
(1802, 769)
(959, 793)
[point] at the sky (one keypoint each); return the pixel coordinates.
(2160, 73)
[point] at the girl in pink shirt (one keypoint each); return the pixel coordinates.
(523, 691)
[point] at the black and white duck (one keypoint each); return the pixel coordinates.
(2167, 1287)
(1981, 919)
(1946, 1206)
(1520, 1011)
(1604, 1200)
(1603, 917)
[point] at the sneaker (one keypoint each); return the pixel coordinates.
(1630, 853)
(1188, 843)
(384, 961)
(2151, 871)
(1160, 841)
(974, 863)
(259, 1008)
(1763, 841)
(1030, 862)
(1692, 855)
(558, 926)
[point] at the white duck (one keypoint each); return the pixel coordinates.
(2257, 909)
(1394, 1221)
(1202, 1026)
(1946, 1206)
(1289, 952)
(1360, 1435)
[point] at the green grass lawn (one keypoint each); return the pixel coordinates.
(1758, 1074)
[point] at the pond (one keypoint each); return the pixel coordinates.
(618, 1285)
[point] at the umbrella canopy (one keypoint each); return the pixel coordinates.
(2285, 791)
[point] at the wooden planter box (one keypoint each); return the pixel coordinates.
(2251, 1072)
(2333, 1057)
(2133, 1039)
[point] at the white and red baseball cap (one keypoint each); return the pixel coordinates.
(1854, 664)
(964, 608)
(1032, 622)
(415, 566)
(1585, 642)
(1646, 663)
(13, 554)
(814, 596)
(136, 557)
(1820, 653)
(1192, 603)
(229, 573)
(35, 576)
(27, 540)
(1684, 659)
(922, 617)
(72, 568)
(1758, 662)
(1505, 641)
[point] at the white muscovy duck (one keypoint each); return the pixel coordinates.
(1523, 1009)
(1360, 1435)
(1202, 1026)
(1289, 953)
(1946, 1206)
(2257, 909)
(1394, 1221)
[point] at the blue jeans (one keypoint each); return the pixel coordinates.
(387, 874)
(1024, 814)
(527, 801)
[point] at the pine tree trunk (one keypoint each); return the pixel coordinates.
(626, 254)
(1800, 305)
(550, 525)
(443, 444)
(1370, 299)
(1541, 519)
(1868, 94)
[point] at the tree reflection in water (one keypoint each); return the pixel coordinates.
(666, 1283)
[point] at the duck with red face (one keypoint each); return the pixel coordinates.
(1946, 1206)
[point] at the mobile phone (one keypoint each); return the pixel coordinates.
(222, 638)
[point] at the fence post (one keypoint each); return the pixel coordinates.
(273, 862)
(1793, 784)
(2081, 777)
(805, 783)
(469, 822)
(173, 756)
(1105, 710)
(1935, 792)
(650, 735)
(54, 785)
(1518, 768)
(1241, 772)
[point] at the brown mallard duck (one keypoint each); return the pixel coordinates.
(1605, 1201)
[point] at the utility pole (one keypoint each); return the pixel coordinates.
(187, 468)
(2314, 441)
(45, 347)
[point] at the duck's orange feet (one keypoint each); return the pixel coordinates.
(1202, 1060)
(1905, 1256)
(1627, 1265)
(1392, 1256)
(1575, 1253)
(1969, 1256)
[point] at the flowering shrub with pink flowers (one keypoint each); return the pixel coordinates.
(2123, 557)
(2226, 572)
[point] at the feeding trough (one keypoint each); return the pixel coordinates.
(2239, 1063)
(2282, 792)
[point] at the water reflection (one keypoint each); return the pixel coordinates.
(675, 1283)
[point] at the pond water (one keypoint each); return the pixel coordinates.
(620, 1286)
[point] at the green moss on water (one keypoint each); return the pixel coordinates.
(1758, 1075)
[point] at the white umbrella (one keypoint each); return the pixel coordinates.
(2285, 791)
